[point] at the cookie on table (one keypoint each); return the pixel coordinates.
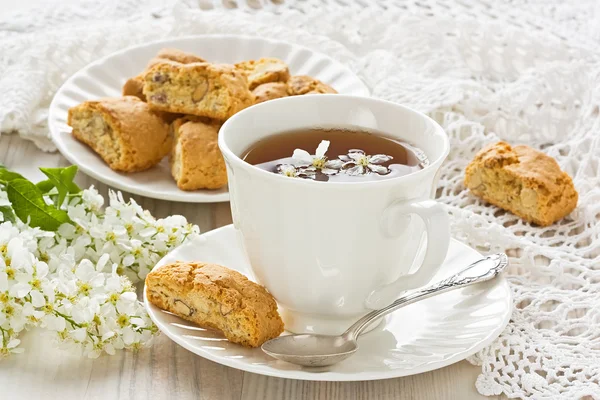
(264, 71)
(303, 84)
(269, 91)
(522, 180)
(125, 132)
(207, 90)
(134, 86)
(196, 161)
(216, 297)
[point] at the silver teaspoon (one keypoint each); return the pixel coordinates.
(322, 350)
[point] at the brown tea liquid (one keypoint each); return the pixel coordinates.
(276, 150)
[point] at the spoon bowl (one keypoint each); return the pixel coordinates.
(322, 350)
(311, 350)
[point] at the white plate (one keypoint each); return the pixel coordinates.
(422, 337)
(105, 78)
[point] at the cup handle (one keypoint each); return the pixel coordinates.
(437, 227)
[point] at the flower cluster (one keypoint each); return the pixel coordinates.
(355, 163)
(77, 281)
(130, 235)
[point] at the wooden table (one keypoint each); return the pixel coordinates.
(167, 371)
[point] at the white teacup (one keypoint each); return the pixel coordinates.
(330, 252)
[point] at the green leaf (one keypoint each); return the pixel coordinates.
(7, 175)
(45, 186)
(28, 202)
(7, 214)
(62, 179)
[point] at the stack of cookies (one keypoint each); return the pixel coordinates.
(176, 106)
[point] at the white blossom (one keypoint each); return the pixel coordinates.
(77, 281)
(318, 160)
(292, 171)
(356, 162)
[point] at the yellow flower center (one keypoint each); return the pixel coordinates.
(113, 298)
(318, 163)
(10, 272)
(84, 288)
(363, 161)
(123, 320)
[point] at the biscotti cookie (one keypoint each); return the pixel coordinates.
(135, 86)
(208, 90)
(123, 131)
(176, 56)
(269, 91)
(302, 84)
(522, 180)
(196, 161)
(264, 70)
(216, 297)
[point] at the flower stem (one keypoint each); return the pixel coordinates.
(69, 320)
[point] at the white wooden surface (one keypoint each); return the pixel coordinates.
(167, 371)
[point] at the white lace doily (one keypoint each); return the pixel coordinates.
(522, 71)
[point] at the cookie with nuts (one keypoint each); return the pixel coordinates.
(196, 161)
(303, 84)
(135, 86)
(123, 131)
(207, 90)
(216, 297)
(269, 91)
(264, 70)
(522, 180)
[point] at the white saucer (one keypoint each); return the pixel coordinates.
(422, 337)
(105, 78)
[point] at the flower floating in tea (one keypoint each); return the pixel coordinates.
(292, 171)
(356, 162)
(319, 160)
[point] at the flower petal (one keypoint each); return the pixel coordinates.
(330, 171)
(307, 173)
(302, 155)
(379, 159)
(380, 169)
(344, 158)
(334, 164)
(356, 154)
(356, 170)
(287, 170)
(322, 148)
(37, 299)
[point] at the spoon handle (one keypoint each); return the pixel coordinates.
(480, 271)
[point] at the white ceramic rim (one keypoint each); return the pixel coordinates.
(306, 375)
(316, 98)
(114, 182)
